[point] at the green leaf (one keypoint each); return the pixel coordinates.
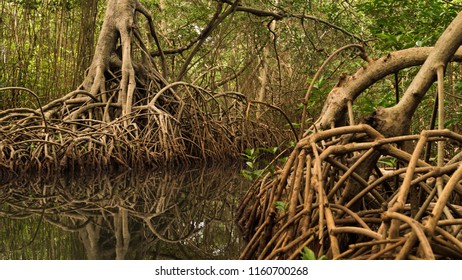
(391, 162)
(281, 205)
(258, 172)
(308, 254)
(271, 150)
(247, 174)
(283, 160)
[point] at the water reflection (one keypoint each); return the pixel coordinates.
(174, 215)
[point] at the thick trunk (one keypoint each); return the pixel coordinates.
(118, 24)
(395, 120)
(335, 106)
(89, 10)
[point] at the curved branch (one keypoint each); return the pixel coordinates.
(318, 73)
(140, 8)
(282, 15)
(214, 22)
(336, 102)
(303, 16)
(36, 98)
(255, 12)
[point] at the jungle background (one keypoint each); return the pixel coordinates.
(47, 46)
(243, 70)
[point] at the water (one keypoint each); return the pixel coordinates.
(160, 215)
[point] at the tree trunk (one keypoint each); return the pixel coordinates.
(118, 24)
(397, 120)
(89, 11)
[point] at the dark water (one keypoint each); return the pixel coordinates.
(160, 215)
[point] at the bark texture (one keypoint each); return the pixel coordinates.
(335, 106)
(118, 25)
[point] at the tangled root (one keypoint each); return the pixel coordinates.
(324, 200)
(180, 123)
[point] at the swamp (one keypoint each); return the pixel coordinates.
(158, 215)
(135, 129)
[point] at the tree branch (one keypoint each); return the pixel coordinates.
(336, 102)
(216, 20)
(313, 18)
(140, 8)
(258, 13)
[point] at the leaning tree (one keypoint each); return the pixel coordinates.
(334, 197)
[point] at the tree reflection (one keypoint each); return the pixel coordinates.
(163, 215)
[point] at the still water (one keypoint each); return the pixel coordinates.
(156, 215)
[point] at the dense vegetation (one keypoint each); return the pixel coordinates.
(157, 83)
(46, 46)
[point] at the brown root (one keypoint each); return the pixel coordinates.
(193, 125)
(375, 222)
(126, 114)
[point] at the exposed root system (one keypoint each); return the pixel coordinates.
(128, 113)
(180, 123)
(335, 197)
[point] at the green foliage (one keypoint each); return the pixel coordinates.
(281, 206)
(388, 161)
(309, 255)
(318, 84)
(253, 159)
(28, 4)
(250, 155)
(251, 174)
(407, 23)
(40, 44)
(370, 100)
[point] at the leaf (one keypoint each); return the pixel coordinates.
(281, 206)
(390, 162)
(258, 172)
(295, 125)
(271, 150)
(247, 175)
(308, 254)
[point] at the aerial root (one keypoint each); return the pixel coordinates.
(180, 123)
(310, 202)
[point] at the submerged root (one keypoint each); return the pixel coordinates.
(319, 200)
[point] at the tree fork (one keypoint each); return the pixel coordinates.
(119, 24)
